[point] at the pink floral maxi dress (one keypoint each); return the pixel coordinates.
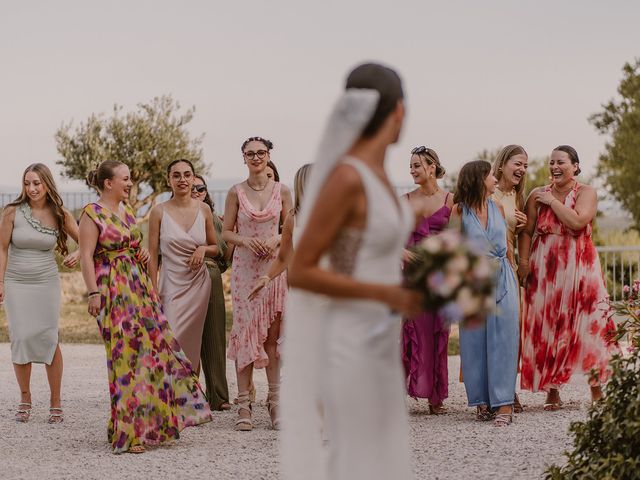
(154, 392)
(567, 318)
(252, 319)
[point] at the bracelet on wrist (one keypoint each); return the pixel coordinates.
(93, 294)
(265, 277)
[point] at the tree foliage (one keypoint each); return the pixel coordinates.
(620, 162)
(146, 139)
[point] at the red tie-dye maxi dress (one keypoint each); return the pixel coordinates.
(567, 319)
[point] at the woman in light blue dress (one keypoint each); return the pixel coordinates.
(489, 352)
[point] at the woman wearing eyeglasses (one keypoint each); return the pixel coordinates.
(426, 337)
(253, 212)
(182, 231)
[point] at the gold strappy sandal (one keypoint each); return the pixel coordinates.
(244, 424)
(56, 415)
(273, 404)
(23, 412)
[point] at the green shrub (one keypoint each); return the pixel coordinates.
(607, 445)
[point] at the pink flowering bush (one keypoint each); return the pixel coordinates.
(629, 309)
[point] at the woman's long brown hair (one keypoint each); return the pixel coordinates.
(54, 201)
(470, 190)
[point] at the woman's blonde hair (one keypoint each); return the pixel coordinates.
(54, 201)
(299, 182)
(503, 157)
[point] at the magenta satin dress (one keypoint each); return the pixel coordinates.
(425, 337)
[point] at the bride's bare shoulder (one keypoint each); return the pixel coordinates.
(345, 176)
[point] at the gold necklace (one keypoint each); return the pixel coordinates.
(429, 194)
(259, 190)
(563, 192)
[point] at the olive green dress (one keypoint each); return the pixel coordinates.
(212, 352)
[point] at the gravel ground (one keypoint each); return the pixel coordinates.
(452, 446)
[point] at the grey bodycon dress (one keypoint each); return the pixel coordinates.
(32, 290)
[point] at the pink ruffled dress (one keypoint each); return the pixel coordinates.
(252, 319)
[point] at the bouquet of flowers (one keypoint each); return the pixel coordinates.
(456, 279)
(629, 310)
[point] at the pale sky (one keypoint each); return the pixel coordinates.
(477, 74)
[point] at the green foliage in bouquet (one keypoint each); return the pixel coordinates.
(455, 278)
(607, 445)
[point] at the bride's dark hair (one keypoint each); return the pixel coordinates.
(388, 84)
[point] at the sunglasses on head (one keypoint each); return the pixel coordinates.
(418, 150)
(199, 188)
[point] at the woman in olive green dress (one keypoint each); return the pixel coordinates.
(212, 353)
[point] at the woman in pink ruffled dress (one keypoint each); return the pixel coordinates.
(253, 213)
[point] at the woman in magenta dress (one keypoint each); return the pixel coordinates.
(253, 213)
(567, 319)
(425, 338)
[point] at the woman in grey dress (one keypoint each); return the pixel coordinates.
(31, 229)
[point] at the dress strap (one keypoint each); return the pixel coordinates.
(446, 197)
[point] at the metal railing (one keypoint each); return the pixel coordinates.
(620, 266)
(75, 201)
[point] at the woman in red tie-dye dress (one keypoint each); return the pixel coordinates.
(567, 318)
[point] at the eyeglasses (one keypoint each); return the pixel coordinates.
(251, 155)
(199, 188)
(418, 150)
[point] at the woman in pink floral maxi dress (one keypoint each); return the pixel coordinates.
(253, 212)
(567, 319)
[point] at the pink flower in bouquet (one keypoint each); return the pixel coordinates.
(469, 303)
(451, 282)
(457, 265)
(434, 280)
(450, 240)
(432, 244)
(626, 289)
(482, 269)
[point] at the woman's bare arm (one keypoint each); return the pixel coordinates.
(6, 230)
(338, 208)
(525, 236)
(88, 239)
(578, 217)
(155, 219)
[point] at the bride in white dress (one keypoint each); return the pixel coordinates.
(343, 318)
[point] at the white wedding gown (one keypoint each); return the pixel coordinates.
(360, 384)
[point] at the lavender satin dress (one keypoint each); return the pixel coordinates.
(425, 338)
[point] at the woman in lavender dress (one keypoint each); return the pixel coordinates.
(425, 337)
